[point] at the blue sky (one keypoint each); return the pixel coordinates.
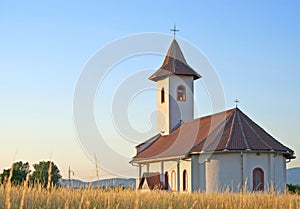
(253, 46)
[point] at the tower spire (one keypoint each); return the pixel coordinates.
(168, 68)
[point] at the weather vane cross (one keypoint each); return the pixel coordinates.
(174, 30)
(236, 102)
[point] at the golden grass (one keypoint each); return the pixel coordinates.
(38, 197)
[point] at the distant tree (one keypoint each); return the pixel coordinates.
(19, 173)
(40, 174)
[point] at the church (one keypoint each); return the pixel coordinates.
(214, 153)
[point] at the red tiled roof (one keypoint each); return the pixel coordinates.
(152, 179)
(174, 64)
(226, 131)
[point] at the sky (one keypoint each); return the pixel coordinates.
(45, 45)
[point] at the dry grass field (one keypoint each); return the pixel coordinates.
(37, 197)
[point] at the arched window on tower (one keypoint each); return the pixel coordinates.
(181, 93)
(258, 179)
(166, 180)
(162, 95)
(184, 180)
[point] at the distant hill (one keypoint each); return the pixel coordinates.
(114, 182)
(293, 176)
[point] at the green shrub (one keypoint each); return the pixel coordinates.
(293, 188)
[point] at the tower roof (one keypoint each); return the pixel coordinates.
(227, 131)
(174, 64)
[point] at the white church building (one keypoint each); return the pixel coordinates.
(223, 151)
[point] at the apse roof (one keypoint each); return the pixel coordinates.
(231, 130)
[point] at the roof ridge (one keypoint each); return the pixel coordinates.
(231, 127)
(212, 132)
(267, 133)
(206, 116)
(243, 132)
(175, 52)
(145, 145)
(257, 135)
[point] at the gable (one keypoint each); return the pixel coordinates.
(150, 180)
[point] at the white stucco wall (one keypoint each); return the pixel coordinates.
(233, 170)
(181, 110)
(274, 168)
(172, 111)
(280, 173)
(185, 165)
(223, 171)
(170, 166)
(198, 170)
(163, 108)
(253, 161)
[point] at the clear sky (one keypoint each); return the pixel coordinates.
(44, 45)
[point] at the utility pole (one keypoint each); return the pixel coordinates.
(69, 176)
(97, 170)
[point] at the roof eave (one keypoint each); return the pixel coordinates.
(148, 160)
(286, 154)
(157, 78)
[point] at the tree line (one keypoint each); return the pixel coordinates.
(19, 171)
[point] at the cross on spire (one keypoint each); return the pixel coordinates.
(174, 30)
(236, 102)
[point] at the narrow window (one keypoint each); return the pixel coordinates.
(181, 93)
(184, 180)
(258, 179)
(173, 181)
(162, 95)
(166, 180)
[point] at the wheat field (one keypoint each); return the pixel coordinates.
(38, 197)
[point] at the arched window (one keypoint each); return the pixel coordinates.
(258, 179)
(184, 180)
(181, 93)
(162, 95)
(166, 180)
(173, 180)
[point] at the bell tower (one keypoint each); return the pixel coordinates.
(175, 95)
